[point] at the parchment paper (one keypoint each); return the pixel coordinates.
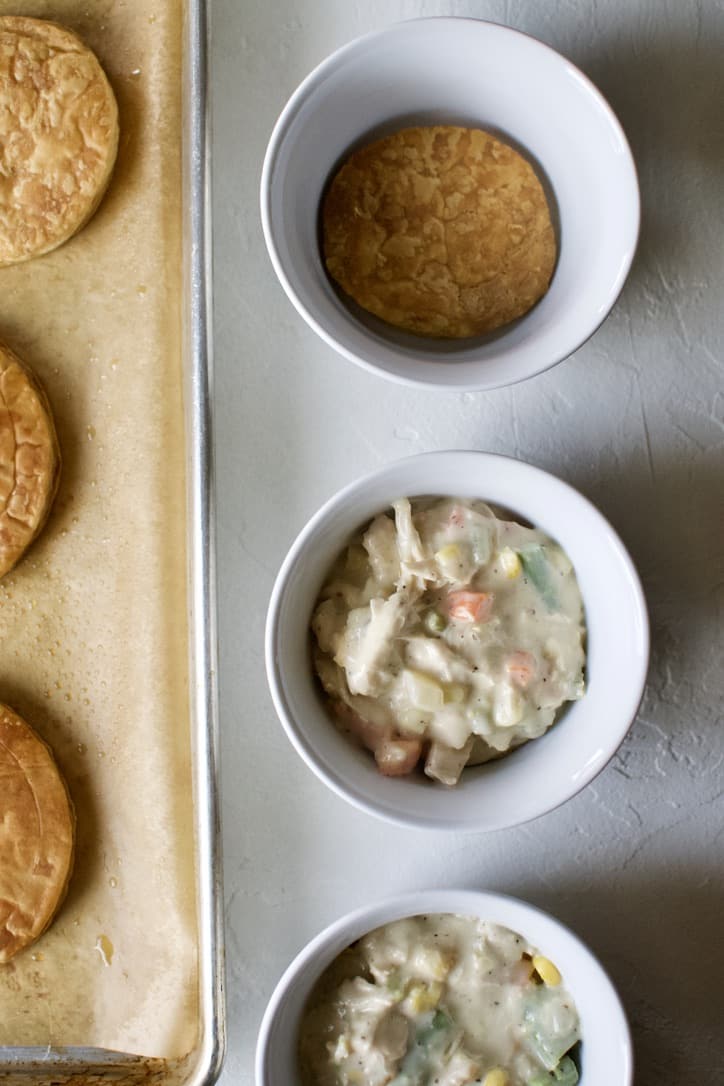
(93, 627)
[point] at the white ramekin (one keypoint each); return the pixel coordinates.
(455, 70)
(606, 1049)
(543, 773)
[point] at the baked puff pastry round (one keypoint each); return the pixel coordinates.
(37, 834)
(442, 231)
(29, 459)
(58, 136)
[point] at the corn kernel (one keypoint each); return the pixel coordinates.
(496, 1077)
(509, 562)
(449, 553)
(424, 997)
(454, 561)
(546, 970)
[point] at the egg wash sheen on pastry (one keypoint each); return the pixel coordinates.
(442, 999)
(447, 635)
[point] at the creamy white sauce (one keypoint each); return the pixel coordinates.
(442, 1000)
(448, 633)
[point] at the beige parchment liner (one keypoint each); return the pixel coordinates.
(93, 630)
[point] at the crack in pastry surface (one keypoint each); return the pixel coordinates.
(58, 136)
(442, 231)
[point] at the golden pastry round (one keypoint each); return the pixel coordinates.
(29, 459)
(443, 231)
(58, 136)
(37, 834)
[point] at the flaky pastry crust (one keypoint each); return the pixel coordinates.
(58, 136)
(29, 459)
(442, 231)
(37, 835)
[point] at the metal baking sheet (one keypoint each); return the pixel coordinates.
(156, 60)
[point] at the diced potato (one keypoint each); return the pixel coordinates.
(481, 723)
(445, 764)
(577, 688)
(413, 721)
(508, 706)
(455, 693)
(450, 726)
(422, 691)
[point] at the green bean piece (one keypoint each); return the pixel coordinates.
(536, 568)
(549, 1048)
(432, 1037)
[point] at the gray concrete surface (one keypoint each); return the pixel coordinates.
(635, 419)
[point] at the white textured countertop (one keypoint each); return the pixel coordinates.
(635, 420)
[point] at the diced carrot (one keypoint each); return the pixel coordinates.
(397, 757)
(470, 606)
(522, 668)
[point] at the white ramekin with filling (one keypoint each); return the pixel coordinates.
(543, 773)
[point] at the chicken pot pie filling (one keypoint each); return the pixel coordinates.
(440, 999)
(447, 635)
